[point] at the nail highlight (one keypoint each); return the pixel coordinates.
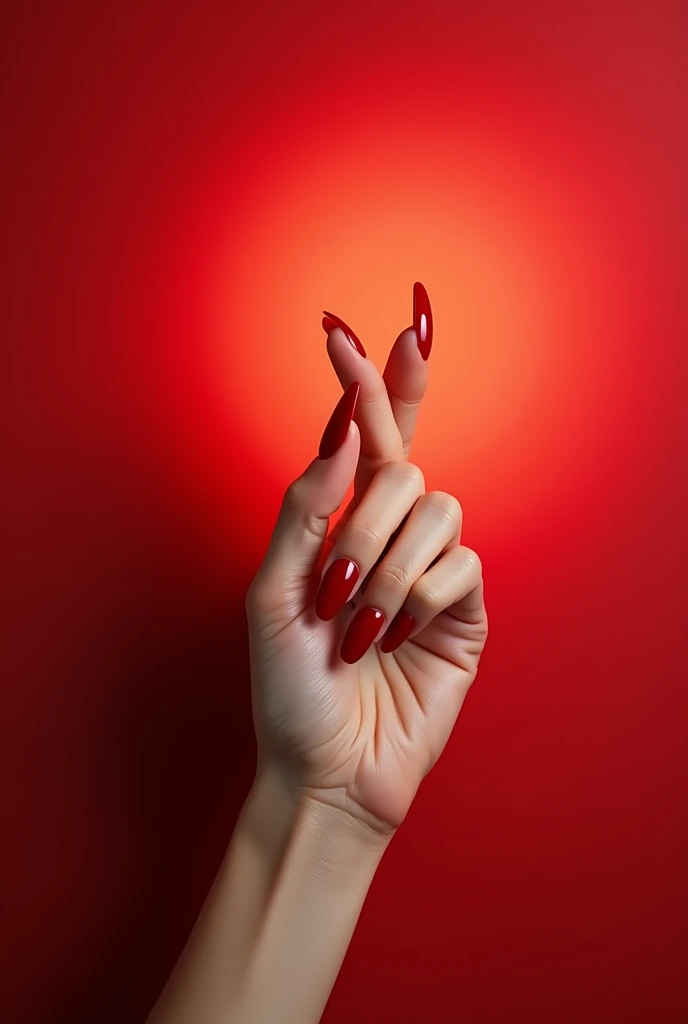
(422, 319)
(399, 629)
(330, 321)
(335, 588)
(362, 630)
(337, 427)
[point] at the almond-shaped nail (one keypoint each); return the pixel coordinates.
(330, 321)
(398, 630)
(362, 630)
(337, 427)
(422, 319)
(335, 588)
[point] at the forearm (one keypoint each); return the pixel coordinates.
(278, 919)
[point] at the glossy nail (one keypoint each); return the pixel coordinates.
(422, 319)
(337, 427)
(335, 588)
(330, 321)
(399, 628)
(362, 630)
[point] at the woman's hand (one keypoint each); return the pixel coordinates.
(339, 716)
(347, 727)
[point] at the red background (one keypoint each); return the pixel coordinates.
(186, 187)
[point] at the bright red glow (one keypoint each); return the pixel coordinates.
(514, 229)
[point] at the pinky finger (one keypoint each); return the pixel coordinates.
(453, 584)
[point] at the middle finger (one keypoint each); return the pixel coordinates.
(392, 493)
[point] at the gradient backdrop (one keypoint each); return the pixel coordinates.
(186, 188)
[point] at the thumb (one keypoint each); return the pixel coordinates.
(301, 528)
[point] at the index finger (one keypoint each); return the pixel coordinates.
(388, 406)
(380, 438)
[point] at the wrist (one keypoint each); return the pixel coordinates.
(280, 804)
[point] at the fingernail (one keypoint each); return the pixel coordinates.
(362, 630)
(337, 427)
(399, 628)
(330, 321)
(337, 584)
(422, 319)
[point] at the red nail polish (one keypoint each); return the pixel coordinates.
(399, 628)
(337, 584)
(337, 427)
(422, 319)
(362, 630)
(330, 321)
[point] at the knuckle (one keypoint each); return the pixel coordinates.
(393, 576)
(364, 531)
(473, 562)
(429, 596)
(294, 499)
(296, 504)
(404, 473)
(444, 506)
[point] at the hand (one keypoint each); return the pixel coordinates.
(337, 716)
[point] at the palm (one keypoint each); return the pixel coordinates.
(363, 735)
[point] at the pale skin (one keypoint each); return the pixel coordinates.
(342, 748)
